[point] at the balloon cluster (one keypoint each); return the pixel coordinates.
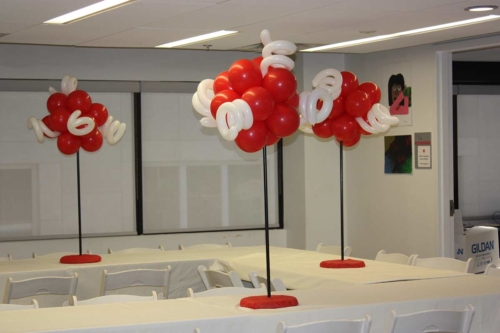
(339, 106)
(254, 102)
(75, 121)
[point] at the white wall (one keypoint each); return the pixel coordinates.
(46, 62)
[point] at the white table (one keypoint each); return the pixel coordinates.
(297, 268)
(223, 315)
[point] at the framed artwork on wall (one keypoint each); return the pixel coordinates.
(398, 154)
(397, 91)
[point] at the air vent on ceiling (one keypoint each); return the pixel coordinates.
(258, 47)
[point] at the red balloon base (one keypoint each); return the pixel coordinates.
(338, 263)
(273, 302)
(80, 259)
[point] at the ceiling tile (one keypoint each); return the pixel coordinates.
(36, 11)
(144, 37)
(460, 7)
(392, 5)
(225, 17)
(285, 3)
(10, 27)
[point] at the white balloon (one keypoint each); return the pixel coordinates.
(228, 133)
(199, 107)
(276, 61)
(275, 53)
(329, 79)
(383, 115)
(314, 116)
(74, 122)
(115, 132)
(246, 111)
(265, 37)
(104, 128)
(52, 91)
(68, 84)
(40, 129)
(364, 125)
(379, 118)
(205, 92)
(306, 128)
(208, 122)
(303, 103)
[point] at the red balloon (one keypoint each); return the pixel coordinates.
(338, 108)
(46, 121)
(357, 104)
(252, 139)
(283, 121)
(345, 127)
(372, 90)
(349, 83)
(68, 144)
(221, 82)
(221, 98)
(243, 75)
(271, 139)
(294, 101)
(93, 141)
(257, 61)
(260, 102)
(98, 112)
(324, 129)
(59, 120)
(351, 142)
(79, 100)
(56, 101)
(281, 83)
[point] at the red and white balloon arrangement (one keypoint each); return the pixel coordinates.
(254, 102)
(75, 121)
(339, 106)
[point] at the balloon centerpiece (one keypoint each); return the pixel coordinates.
(77, 123)
(340, 107)
(254, 104)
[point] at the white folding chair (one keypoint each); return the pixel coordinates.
(492, 270)
(228, 292)
(8, 258)
(56, 254)
(445, 263)
(50, 285)
(205, 246)
(395, 258)
(136, 250)
(114, 299)
(136, 278)
(14, 307)
(432, 321)
(276, 283)
(329, 326)
(216, 279)
(332, 249)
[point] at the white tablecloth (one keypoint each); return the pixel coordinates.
(297, 268)
(222, 314)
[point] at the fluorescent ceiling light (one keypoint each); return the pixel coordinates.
(192, 40)
(85, 12)
(480, 8)
(403, 34)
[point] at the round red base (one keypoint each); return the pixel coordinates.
(273, 302)
(347, 263)
(80, 259)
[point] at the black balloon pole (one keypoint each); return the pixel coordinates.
(79, 201)
(342, 199)
(266, 222)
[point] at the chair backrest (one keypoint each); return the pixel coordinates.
(56, 254)
(257, 280)
(114, 299)
(52, 285)
(13, 307)
(216, 279)
(136, 250)
(205, 246)
(432, 321)
(332, 249)
(227, 292)
(395, 258)
(492, 270)
(135, 278)
(446, 263)
(329, 326)
(8, 258)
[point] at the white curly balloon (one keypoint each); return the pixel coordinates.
(307, 106)
(275, 53)
(232, 117)
(74, 122)
(379, 118)
(113, 131)
(201, 102)
(329, 79)
(68, 85)
(40, 129)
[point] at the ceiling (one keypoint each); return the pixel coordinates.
(147, 23)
